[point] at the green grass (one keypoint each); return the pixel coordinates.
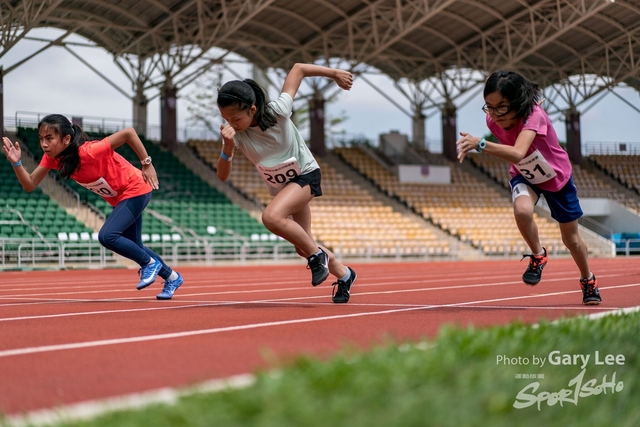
(453, 380)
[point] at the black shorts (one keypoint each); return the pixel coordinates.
(312, 179)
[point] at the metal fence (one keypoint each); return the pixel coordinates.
(628, 247)
(609, 147)
(55, 253)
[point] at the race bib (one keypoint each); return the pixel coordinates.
(276, 177)
(535, 168)
(101, 187)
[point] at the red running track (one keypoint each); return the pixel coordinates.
(73, 336)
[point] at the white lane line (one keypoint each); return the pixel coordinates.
(616, 312)
(155, 337)
(145, 338)
(167, 395)
(201, 304)
(279, 282)
(198, 283)
(93, 408)
(306, 288)
(295, 300)
(91, 313)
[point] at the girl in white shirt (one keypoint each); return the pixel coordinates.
(270, 140)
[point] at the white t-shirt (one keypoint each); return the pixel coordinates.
(279, 143)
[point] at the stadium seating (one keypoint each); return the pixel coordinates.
(623, 168)
(346, 218)
(183, 207)
(468, 209)
(587, 183)
(32, 215)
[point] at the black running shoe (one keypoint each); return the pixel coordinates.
(342, 294)
(534, 271)
(590, 292)
(319, 266)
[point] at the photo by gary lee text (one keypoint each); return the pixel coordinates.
(557, 358)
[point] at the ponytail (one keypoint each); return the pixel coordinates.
(245, 93)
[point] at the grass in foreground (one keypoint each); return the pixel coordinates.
(458, 379)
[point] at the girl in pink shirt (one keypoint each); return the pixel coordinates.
(96, 166)
(538, 166)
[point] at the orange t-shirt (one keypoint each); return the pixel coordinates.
(105, 172)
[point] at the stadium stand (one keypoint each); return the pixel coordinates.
(624, 168)
(589, 185)
(34, 215)
(466, 208)
(183, 207)
(347, 219)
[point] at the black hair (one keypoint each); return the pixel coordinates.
(522, 93)
(244, 94)
(69, 157)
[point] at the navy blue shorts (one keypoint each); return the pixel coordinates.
(312, 179)
(564, 204)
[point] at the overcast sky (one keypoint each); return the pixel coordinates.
(56, 81)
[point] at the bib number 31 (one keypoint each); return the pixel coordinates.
(535, 168)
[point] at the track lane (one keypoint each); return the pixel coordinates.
(231, 320)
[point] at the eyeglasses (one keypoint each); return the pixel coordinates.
(497, 111)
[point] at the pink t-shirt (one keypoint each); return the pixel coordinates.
(546, 164)
(105, 172)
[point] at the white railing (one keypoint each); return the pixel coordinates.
(609, 147)
(630, 247)
(54, 253)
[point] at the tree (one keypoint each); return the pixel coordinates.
(201, 103)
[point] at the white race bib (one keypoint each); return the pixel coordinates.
(276, 177)
(101, 187)
(535, 168)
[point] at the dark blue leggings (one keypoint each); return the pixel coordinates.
(122, 233)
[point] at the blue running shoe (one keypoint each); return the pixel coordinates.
(148, 274)
(170, 286)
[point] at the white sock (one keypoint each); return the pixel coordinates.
(540, 254)
(153, 261)
(346, 276)
(173, 276)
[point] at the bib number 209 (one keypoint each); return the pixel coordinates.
(281, 178)
(276, 177)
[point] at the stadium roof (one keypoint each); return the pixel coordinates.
(413, 39)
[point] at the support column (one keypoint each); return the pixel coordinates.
(316, 124)
(572, 125)
(418, 128)
(1, 104)
(260, 76)
(449, 131)
(140, 102)
(168, 117)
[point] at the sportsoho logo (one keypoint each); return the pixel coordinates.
(578, 387)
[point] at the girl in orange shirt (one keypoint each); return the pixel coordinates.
(96, 166)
